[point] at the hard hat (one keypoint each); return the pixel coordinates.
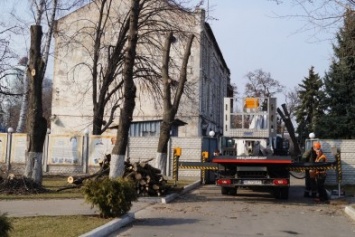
(317, 145)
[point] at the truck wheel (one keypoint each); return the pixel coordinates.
(228, 191)
(224, 190)
(282, 193)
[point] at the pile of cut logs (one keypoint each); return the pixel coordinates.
(148, 179)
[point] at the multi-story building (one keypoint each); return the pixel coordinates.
(201, 109)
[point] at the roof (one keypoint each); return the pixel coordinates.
(219, 52)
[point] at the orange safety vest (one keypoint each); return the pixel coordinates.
(316, 173)
(321, 158)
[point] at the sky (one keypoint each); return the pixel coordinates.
(251, 37)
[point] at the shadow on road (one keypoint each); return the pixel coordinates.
(212, 192)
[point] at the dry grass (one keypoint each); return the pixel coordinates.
(52, 184)
(55, 226)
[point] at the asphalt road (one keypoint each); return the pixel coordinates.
(205, 212)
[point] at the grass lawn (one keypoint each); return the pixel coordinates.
(59, 226)
(55, 226)
(52, 184)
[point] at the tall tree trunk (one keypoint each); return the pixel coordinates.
(98, 119)
(24, 106)
(36, 125)
(119, 150)
(170, 108)
(103, 81)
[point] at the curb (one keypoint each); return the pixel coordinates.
(186, 189)
(128, 218)
(110, 227)
(350, 211)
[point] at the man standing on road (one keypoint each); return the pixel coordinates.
(320, 178)
(310, 182)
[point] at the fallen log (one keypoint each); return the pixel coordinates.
(80, 179)
(148, 179)
(68, 187)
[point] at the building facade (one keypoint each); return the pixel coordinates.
(200, 107)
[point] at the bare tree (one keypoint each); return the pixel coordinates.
(292, 100)
(319, 16)
(8, 76)
(108, 43)
(261, 84)
(171, 104)
(104, 69)
(119, 150)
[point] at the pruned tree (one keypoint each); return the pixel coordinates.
(39, 52)
(104, 37)
(36, 124)
(261, 84)
(126, 115)
(171, 102)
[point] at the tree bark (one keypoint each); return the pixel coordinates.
(170, 108)
(117, 166)
(36, 125)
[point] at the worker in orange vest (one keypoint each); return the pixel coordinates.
(310, 182)
(320, 176)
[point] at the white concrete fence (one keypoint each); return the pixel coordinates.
(81, 153)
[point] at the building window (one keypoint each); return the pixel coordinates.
(148, 134)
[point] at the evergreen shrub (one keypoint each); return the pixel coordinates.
(5, 225)
(113, 197)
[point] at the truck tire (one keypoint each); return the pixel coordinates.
(224, 190)
(228, 191)
(282, 193)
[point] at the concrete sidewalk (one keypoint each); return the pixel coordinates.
(44, 207)
(55, 207)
